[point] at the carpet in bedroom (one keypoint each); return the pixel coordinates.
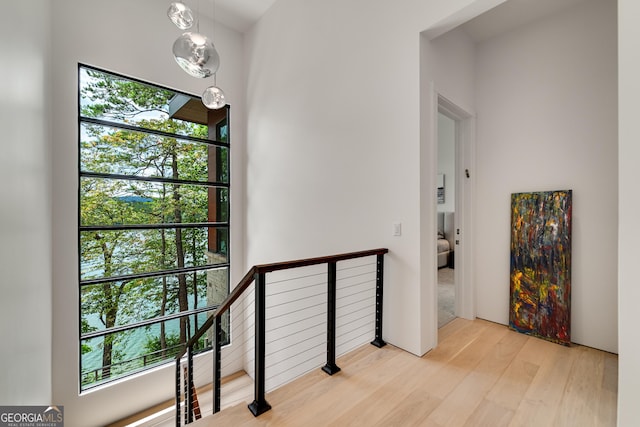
(446, 296)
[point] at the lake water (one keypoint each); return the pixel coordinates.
(132, 343)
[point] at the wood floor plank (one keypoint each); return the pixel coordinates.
(510, 389)
(317, 391)
(490, 414)
(362, 413)
(347, 389)
(451, 346)
(452, 328)
(470, 352)
(610, 374)
(316, 383)
(402, 386)
(608, 400)
(413, 410)
(481, 374)
(542, 399)
(236, 392)
(358, 360)
(579, 404)
(461, 403)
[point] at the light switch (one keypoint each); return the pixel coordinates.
(397, 229)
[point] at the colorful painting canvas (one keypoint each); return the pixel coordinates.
(541, 265)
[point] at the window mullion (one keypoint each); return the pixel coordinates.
(153, 222)
(152, 274)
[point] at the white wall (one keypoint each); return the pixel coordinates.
(448, 71)
(387, 32)
(326, 173)
(135, 39)
(629, 203)
(447, 161)
(452, 56)
(451, 69)
(25, 223)
(547, 120)
(334, 134)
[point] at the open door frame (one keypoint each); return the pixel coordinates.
(465, 302)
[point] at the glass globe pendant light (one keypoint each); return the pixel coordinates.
(213, 97)
(196, 55)
(181, 15)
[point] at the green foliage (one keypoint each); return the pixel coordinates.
(85, 328)
(152, 344)
(113, 96)
(108, 202)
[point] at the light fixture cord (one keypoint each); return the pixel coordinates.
(213, 33)
(198, 19)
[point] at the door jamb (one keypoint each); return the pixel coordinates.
(465, 304)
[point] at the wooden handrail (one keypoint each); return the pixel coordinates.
(257, 274)
(268, 268)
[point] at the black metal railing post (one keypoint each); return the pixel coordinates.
(189, 389)
(259, 404)
(185, 387)
(217, 353)
(178, 386)
(378, 341)
(185, 392)
(331, 367)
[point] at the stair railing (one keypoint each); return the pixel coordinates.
(257, 274)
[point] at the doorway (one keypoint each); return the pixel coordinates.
(456, 159)
(446, 208)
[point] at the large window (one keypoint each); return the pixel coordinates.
(153, 229)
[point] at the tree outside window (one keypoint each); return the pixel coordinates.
(153, 222)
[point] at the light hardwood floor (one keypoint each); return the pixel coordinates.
(481, 374)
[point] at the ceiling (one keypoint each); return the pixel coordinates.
(512, 14)
(240, 15)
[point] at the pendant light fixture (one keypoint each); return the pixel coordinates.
(181, 15)
(213, 97)
(195, 53)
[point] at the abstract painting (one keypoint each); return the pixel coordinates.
(541, 265)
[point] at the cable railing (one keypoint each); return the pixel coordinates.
(284, 325)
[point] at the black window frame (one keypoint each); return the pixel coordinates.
(213, 140)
